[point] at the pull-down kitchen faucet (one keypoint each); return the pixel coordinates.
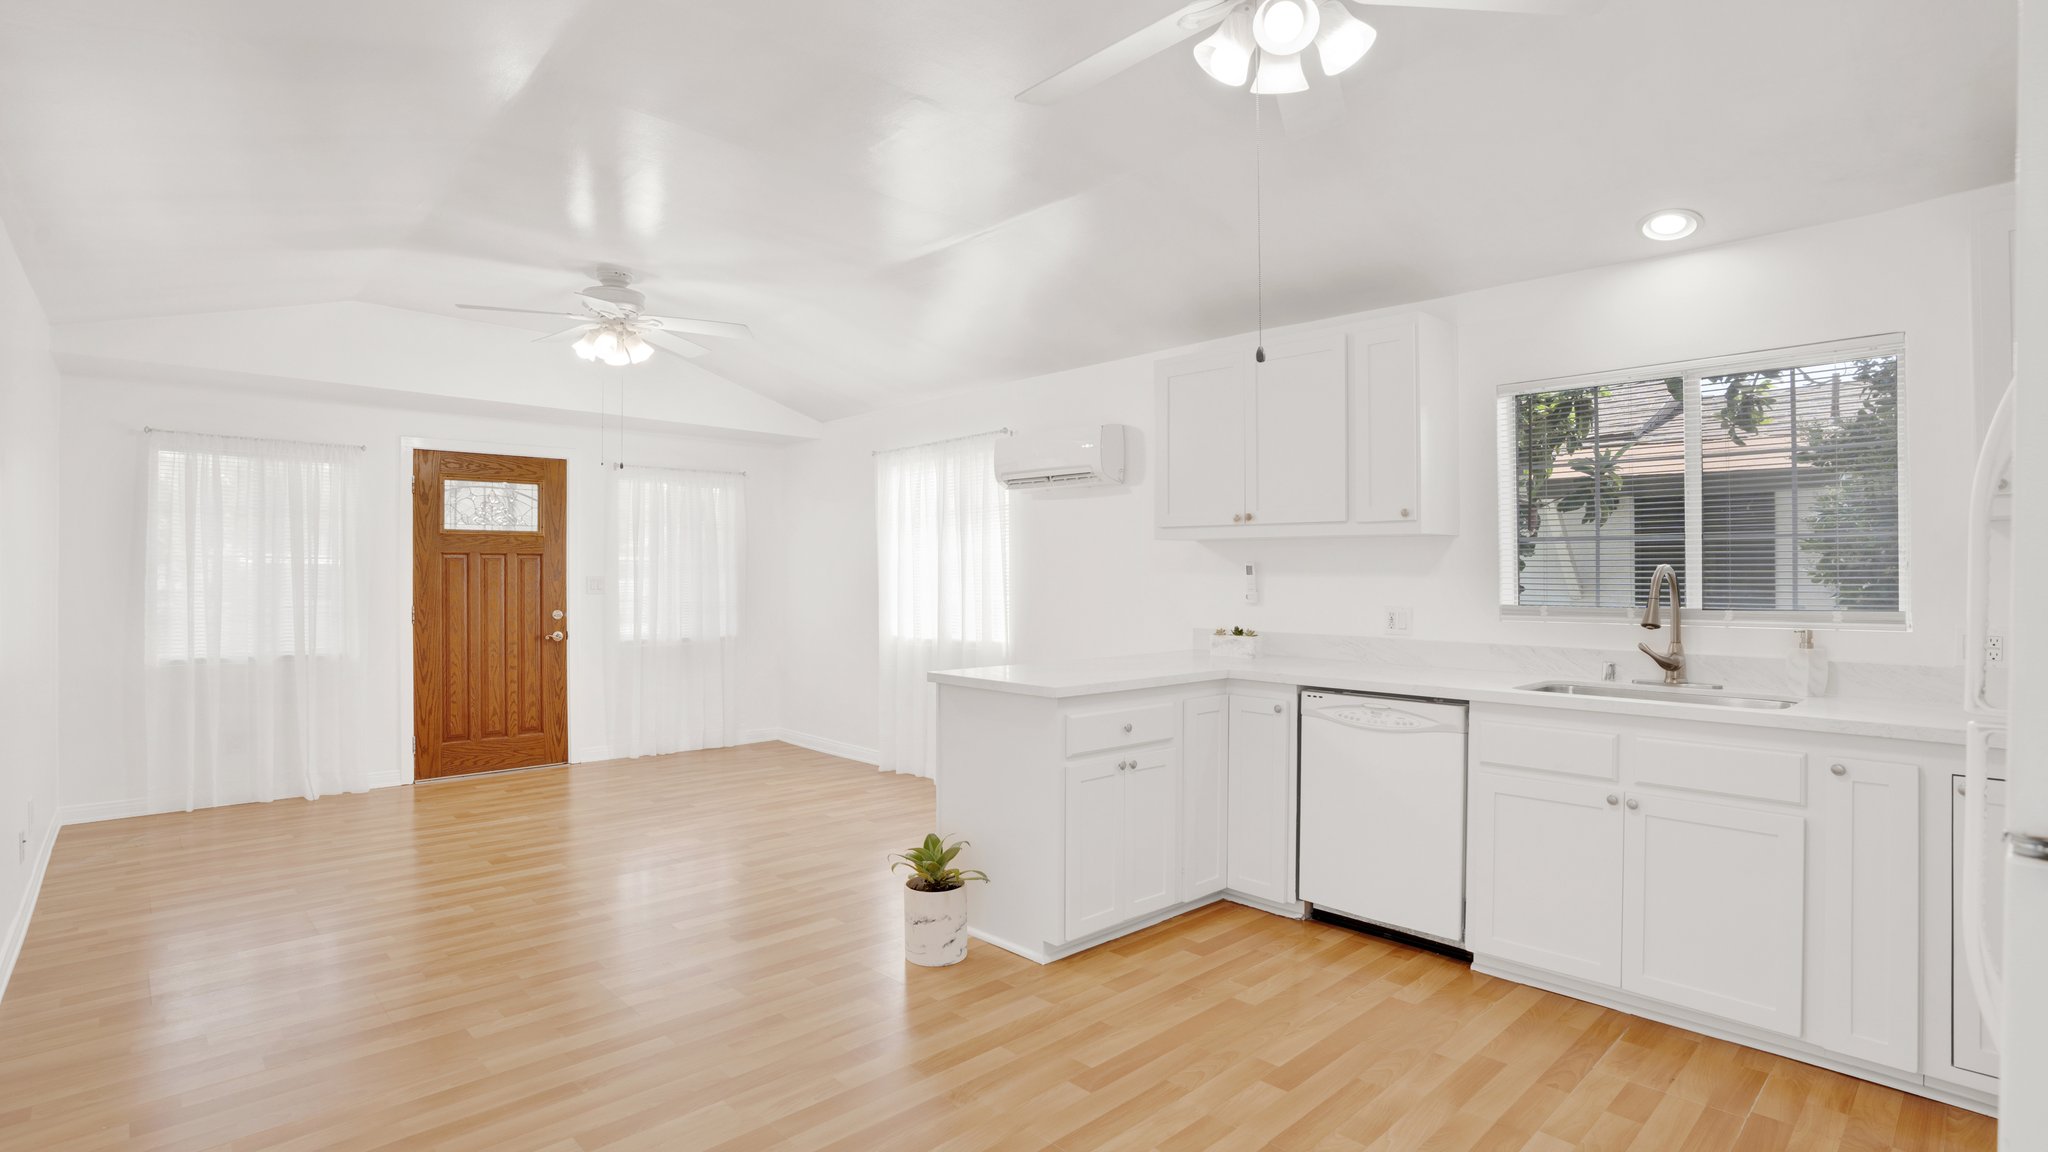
(1672, 659)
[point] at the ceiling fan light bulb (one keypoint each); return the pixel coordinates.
(585, 346)
(1344, 40)
(1279, 75)
(638, 349)
(603, 343)
(1227, 54)
(1285, 27)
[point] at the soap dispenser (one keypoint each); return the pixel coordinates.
(1807, 666)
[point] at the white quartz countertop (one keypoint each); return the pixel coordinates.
(1935, 722)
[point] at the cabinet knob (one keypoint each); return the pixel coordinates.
(1404, 513)
(1613, 799)
(1247, 517)
(1634, 803)
(1839, 769)
(1278, 709)
(1237, 518)
(1127, 727)
(1962, 789)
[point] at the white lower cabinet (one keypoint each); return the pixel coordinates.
(1261, 797)
(1123, 839)
(1866, 824)
(1713, 913)
(1543, 881)
(1204, 795)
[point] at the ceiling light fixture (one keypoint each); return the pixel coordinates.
(1671, 224)
(1273, 35)
(614, 342)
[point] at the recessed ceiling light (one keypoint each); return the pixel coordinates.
(1671, 224)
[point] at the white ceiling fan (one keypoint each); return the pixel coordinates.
(615, 331)
(1264, 41)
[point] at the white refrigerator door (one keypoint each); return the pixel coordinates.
(1383, 814)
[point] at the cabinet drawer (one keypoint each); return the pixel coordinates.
(1718, 769)
(1546, 748)
(1121, 727)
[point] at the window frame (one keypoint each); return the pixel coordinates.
(1891, 344)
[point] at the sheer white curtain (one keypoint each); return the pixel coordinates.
(677, 538)
(944, 551)
(252, 620)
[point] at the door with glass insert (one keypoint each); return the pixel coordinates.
(490, 627)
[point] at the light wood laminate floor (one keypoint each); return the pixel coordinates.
(703, 951)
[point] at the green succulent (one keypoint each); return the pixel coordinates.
(931, 866)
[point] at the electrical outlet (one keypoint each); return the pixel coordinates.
(1994, 649)
(1398, 620)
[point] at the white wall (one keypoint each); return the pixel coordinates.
(1091, 579)
(101, 492)
(28, 586)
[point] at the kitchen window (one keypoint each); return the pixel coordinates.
(1771, 483)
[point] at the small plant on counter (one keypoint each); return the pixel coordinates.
(931, 866)
(1235, 632)
(935, 902)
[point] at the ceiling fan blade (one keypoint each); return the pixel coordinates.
(1134, 49)
(524, 311)
(563, 332)
(698, 327)
(1311, 113)
(1510, 7)
(674, 345)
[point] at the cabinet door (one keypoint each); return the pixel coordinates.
(1204, 777)
(1543, 878)
(1386, 423)
(1300, 470)
(1713, 911)
(1151, 833)
(1094, 857)
(1867, 828)
(1973, 1044)
(1261, 791)
(1202, 413)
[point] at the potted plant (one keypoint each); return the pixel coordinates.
(935, 903)
(1234, 643)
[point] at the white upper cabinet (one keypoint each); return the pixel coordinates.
(1339, 433)
(1202, 405)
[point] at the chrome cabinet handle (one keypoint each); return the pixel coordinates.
(1278, 709)
(1838, 769)
(1127, 727)
(1634, 803)
(1613, 799)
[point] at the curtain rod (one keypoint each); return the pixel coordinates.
(673, 468)
(255, 439)
(947, 440)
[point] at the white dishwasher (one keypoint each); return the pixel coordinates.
(1383, 811)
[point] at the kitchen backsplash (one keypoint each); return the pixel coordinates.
(1913, 683)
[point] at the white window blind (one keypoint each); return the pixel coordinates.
(1771, 484)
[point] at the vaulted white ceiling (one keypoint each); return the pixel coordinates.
(855, 181)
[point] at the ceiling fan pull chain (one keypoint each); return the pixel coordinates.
(1259, 217)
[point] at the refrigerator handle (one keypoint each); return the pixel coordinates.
(1976, 612)
(1978, 957)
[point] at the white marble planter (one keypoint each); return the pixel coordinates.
(1234, 647)
(934, 927)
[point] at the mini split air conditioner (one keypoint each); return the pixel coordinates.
(1062, 457)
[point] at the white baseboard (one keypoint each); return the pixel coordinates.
(104, 810)
(17, 930)
(829, 747)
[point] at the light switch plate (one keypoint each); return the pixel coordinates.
(1398, 620)
(593, 585)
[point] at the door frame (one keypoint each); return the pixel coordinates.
(402, 562)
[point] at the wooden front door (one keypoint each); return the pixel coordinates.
(489, 584)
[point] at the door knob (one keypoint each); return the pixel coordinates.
(556, 636)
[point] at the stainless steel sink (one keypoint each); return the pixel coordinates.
(1713, 697)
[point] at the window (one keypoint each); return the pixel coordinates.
(944, 543)
(678, 554)
(247, 548)
(1771, 484)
